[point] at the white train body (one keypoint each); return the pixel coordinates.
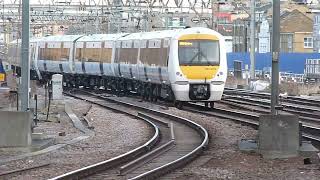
(191, 63)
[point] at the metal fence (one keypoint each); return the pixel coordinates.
(312, 68)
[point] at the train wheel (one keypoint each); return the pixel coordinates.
(155, 94)
(212, 105)
(150, 95)
(178, 104)
(145, 92)
(206, 104)
(150, 92)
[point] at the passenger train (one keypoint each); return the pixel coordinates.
(182, 65)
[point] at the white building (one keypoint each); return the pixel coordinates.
(264, 37)
(316, 32)
(228, 40)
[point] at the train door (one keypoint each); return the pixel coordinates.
(33, 57)
(135, 70)
(142, 56)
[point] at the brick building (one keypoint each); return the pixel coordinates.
(296, 32)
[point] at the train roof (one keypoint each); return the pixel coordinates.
(168, 33)
(60, 38)
(101, 37)
(122, 36)
(32, 40)
(150, 35)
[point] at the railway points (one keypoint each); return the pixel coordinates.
(199, 117)
(179, 155)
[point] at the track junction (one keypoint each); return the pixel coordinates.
(176, 140)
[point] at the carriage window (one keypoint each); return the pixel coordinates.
(198, 52)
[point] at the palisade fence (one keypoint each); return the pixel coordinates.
(312, 68)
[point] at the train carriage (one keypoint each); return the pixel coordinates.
(183, 65)
(55, 54)
(93, 54)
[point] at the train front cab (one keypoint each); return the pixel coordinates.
(200, 69)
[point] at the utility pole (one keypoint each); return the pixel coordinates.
(215, 9)
(275, 56)
(252, 40)
(24, 61)
(212, 15)
(146, 21)
(166, 19)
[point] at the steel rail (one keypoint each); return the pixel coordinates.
(244, 106)
(128, 156)
(288, 99)
(179, 162)
(309, 132)
(164, 169)
(304, 115)
(267, 103)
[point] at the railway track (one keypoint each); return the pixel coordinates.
(176, 141)
(174, 148)
(310, 125)
(305, 115)
(308, 132)
(308, 113)
(287, 99)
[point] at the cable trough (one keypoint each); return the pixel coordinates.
(179, 141)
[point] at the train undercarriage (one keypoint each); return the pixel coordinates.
(116, 85)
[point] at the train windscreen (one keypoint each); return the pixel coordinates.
(199, 52)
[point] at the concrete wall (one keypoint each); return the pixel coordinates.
(15, 128)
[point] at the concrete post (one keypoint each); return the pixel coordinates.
(252, 39)
(279, 136)
(25, 64)
(57, 87)
(15, 128)
(275, 56)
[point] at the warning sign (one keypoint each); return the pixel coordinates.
(2, 77)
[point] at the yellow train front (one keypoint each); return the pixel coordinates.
(197, 66)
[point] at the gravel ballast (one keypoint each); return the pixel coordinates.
(115, 134)
(224, 160)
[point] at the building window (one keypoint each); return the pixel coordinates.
(308, 42)
(170, 21)
(286, 42)
(181, 21)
